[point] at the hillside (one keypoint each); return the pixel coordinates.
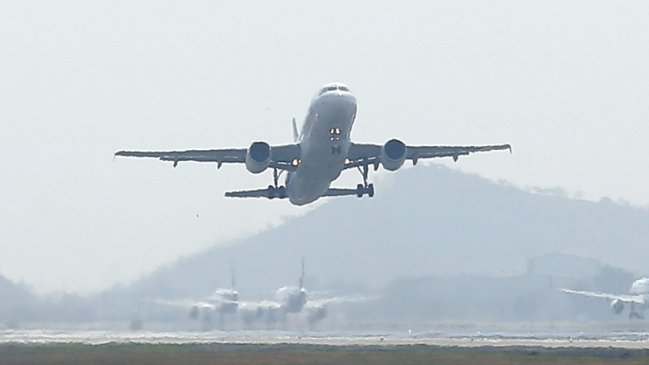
(431, 220)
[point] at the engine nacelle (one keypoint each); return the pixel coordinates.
(617, 306)
(193, 314)
(258, 157)
(393, 154)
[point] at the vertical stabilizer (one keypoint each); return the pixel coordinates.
(296, 135)
(233, 278)
(302, 275)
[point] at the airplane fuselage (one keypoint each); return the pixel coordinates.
(291, 299)
(324, 142)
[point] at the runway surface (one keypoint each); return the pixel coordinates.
(576, 339)
(592, 345)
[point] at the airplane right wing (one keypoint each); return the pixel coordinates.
(637, 299)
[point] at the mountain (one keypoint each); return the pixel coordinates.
(428, 221)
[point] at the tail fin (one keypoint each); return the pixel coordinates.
(302, 275)
(233, 278)
(296, 135)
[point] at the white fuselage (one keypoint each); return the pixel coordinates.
(291, 299)
(324, 142)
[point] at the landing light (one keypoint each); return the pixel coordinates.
(296, 162)
(335, 131)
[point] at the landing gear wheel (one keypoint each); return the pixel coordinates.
(281, 192)
(271, 192)
(360, 190)
(370, 190)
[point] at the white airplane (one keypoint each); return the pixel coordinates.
(638, 298)
(322, 150)
(288, 299)
(292, 300)
(222, 302)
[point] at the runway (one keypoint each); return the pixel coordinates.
(288, 348)
(579, 339)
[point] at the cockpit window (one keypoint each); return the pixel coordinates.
(333, 88)
(328, 88)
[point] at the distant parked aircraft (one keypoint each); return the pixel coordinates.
(221, 303)
(637, 299)
(320, 152)
(292, 300)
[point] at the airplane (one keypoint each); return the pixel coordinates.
(288, 299)
(638, 298)
(292, 300)
(322, 149)
(222, 302)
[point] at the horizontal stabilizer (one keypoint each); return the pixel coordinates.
(268, 193)
(280, 193)
(340, 192)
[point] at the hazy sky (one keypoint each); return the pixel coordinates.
(565, 82)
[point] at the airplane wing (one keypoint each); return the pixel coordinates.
(360, 154)
(638, 299)
(281, 156)
(320, 302)
(186, 304)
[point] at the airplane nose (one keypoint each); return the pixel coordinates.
(340, 97)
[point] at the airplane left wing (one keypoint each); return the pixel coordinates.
(281, 156)
(186, 304)
(361, 154)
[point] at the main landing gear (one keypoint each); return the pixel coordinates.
(364, 188)
(276, 191)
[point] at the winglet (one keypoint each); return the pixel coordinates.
(295, 133)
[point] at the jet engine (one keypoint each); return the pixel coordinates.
(258, 157)
(193, 314)
(393, 154)
(316, 314)
(617, 306)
